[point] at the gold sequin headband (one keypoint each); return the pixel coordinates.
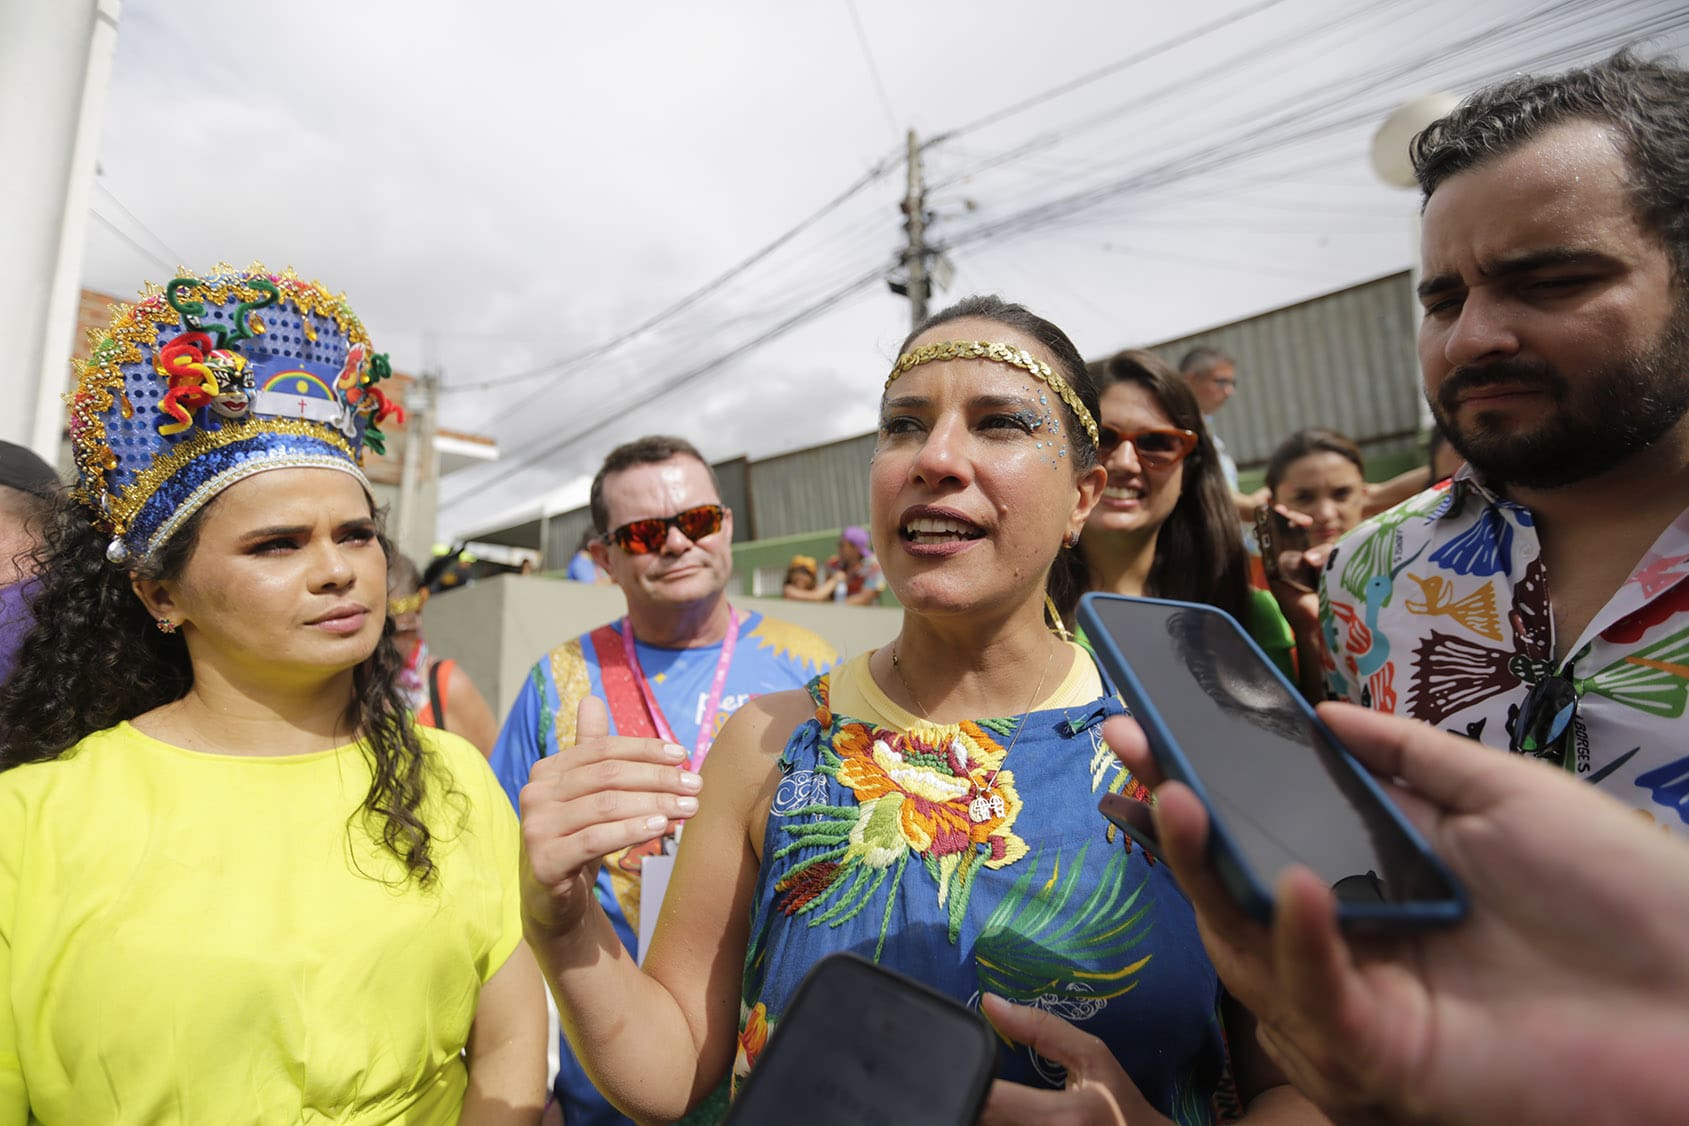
(1002, 354)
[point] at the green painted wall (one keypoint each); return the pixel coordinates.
(777, 551)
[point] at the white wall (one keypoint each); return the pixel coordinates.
(55, 61)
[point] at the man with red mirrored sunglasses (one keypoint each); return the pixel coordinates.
(673, 668)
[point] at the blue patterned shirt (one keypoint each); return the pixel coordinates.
(1439, 609)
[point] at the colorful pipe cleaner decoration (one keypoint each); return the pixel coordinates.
(209, 380)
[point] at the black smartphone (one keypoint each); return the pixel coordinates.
(1282, 542)
(862, 1044)
(1279, 788)
(1133, 818)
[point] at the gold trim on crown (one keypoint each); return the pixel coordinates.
(1002, 354)
(100, 382)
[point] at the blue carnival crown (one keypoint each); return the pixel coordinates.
(210, 380)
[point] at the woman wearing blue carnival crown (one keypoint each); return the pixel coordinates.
(931, 805)
(237, 884)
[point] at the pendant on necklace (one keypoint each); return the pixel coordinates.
(983, 808)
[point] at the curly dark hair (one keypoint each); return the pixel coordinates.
(1066, 581)
(1199, 553)
(1646, 101)
(94, 658)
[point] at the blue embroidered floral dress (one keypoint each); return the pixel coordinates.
(870, 848)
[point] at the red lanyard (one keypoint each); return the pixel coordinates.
(706, 727)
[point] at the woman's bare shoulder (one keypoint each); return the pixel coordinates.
(759, 729)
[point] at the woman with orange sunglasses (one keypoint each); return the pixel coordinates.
(1166, 526)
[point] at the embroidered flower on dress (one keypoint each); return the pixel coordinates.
(912, 791)
(914, 788)
(753, 1038)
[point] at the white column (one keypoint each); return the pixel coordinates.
(55, 63)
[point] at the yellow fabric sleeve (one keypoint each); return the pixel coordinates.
(213, 938)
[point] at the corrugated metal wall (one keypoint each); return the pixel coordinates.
(821, 487)
(563, 535)
(1345, 360)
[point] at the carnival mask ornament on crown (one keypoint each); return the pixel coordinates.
(211, 380)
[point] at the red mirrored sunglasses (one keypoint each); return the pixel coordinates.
(1157, 448)
(642, 537)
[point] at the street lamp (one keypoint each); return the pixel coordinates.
(1392, 162)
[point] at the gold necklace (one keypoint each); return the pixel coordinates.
(983, 803)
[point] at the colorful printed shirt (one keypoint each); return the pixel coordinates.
(769, 656)
(873, 845)
(1439, 609)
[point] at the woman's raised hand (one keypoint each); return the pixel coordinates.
(605, 793)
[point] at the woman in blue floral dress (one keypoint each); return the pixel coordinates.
(930, 805)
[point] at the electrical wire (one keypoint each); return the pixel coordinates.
(1244, 139)
(877, 172)
(1237, 65)
(873, 67)
(1293, 122)
(136, 219)
(650, 394)
(1565, 15)
(1134, 59)
(168, 267)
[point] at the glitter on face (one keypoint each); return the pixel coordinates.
(1028, 419)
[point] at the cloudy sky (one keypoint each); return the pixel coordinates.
(549, 204)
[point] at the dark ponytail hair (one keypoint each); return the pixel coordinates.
(95, 658)
(1066, 581)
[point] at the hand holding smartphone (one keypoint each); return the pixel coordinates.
(1278, 787)
(1283, 539)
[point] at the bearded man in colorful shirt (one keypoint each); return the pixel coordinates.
(1537, 602)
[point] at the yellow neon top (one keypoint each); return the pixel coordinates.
(190, 937)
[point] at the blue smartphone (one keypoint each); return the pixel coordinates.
(1279, 788)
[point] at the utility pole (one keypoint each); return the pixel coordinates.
(918, 286)
(419, 449)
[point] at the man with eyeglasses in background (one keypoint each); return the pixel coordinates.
(1212, 377)
(1539, 602)
(674, 668)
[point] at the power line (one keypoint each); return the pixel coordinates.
(1103, 72)
(1294, 123)
(1527, 30)
(561, 367)
(648, 395)
(873, 68)
(168, 267)
(136, 219)
(1255, 56)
